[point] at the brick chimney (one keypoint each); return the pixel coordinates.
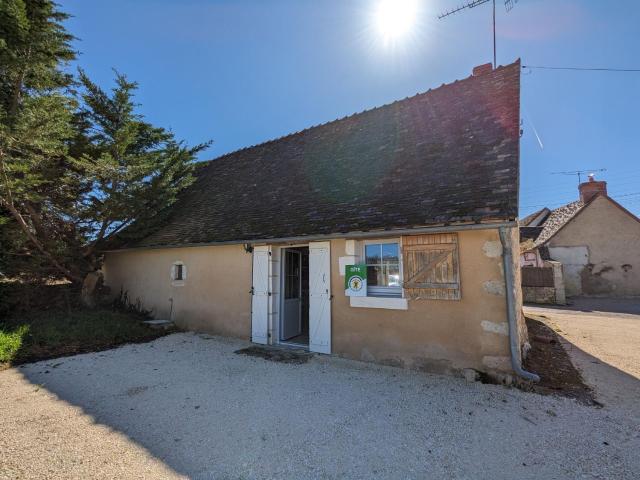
(590, 189)
(482, 69)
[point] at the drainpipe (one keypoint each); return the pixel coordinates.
(509, 277)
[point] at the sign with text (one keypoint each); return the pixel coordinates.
(355, 280)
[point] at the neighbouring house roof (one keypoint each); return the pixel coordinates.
(450, 155)
(554, 221)
(524, 222)
(530, 233)
(557, 219)
(536, 218)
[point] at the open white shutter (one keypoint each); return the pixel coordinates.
(260, 299)
(319, 297)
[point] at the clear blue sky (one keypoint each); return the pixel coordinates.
(242, 72)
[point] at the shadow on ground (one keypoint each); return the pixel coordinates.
(549, 359)
(630, 305)
(602, 346)
(207, 412)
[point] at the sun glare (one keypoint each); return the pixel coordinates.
(395, 18)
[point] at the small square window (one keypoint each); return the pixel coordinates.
(178, 274)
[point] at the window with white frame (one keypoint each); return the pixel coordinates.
(383, 268)
(178, 273)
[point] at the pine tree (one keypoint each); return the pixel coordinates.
(76, 168)
(130, 170)
(35, 122)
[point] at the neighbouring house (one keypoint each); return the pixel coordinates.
(422, 191)
(594, 239)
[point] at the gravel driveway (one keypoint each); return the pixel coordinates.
(186, 405)
(602, 337)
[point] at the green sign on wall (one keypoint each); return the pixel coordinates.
(355, 280)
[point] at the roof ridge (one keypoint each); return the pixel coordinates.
(573, 202)
(447, 158)
(362, 112)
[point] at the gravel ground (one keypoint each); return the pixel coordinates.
(602, 337)
(186, 406)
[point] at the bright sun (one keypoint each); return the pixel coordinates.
(395, 18)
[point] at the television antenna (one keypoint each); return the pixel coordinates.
(508, 5)
(579, 173)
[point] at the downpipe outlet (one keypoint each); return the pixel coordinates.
(509, 280)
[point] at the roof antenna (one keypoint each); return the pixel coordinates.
(508, 5)
(579, 173)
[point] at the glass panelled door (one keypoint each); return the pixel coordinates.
(292, 311)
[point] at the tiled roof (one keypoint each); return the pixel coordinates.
(529, 218)
(557, 219)
(445, 156)
(542, 213)
(530, 233)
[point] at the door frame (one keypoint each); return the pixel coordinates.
(283, 276)
(278, 295)
(275, 296)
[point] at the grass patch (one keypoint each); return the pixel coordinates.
(11, 341)
(48, 334)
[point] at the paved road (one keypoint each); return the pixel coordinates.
(602, 337)
(187, 406)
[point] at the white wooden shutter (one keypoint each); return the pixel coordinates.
(260, 298)
(320, 297)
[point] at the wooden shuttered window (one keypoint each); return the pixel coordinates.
(430, 266)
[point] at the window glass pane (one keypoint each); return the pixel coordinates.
(390, 253)
(292, 276)
(383, 269)
(372, 253)
(374, 276)
(393, 275)
(178, 275)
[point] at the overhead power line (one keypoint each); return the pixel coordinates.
(582, 69)
(563, 202)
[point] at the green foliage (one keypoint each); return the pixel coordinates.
(131, 171)
(47, 334)
(123, 303)
(11, 340)
(76, 168)
(20, 298)
(35, 126)
(45, 321)
(34, 46)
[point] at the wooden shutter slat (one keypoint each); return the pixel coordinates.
(435, 285)
(431, 267)
(427, 269)
(425, 248)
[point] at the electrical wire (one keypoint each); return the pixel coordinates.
(582, 69)
(558, 203)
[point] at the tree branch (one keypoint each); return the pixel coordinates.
(98, 239)
(9, 205)
(35, 219)
(25, 228)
